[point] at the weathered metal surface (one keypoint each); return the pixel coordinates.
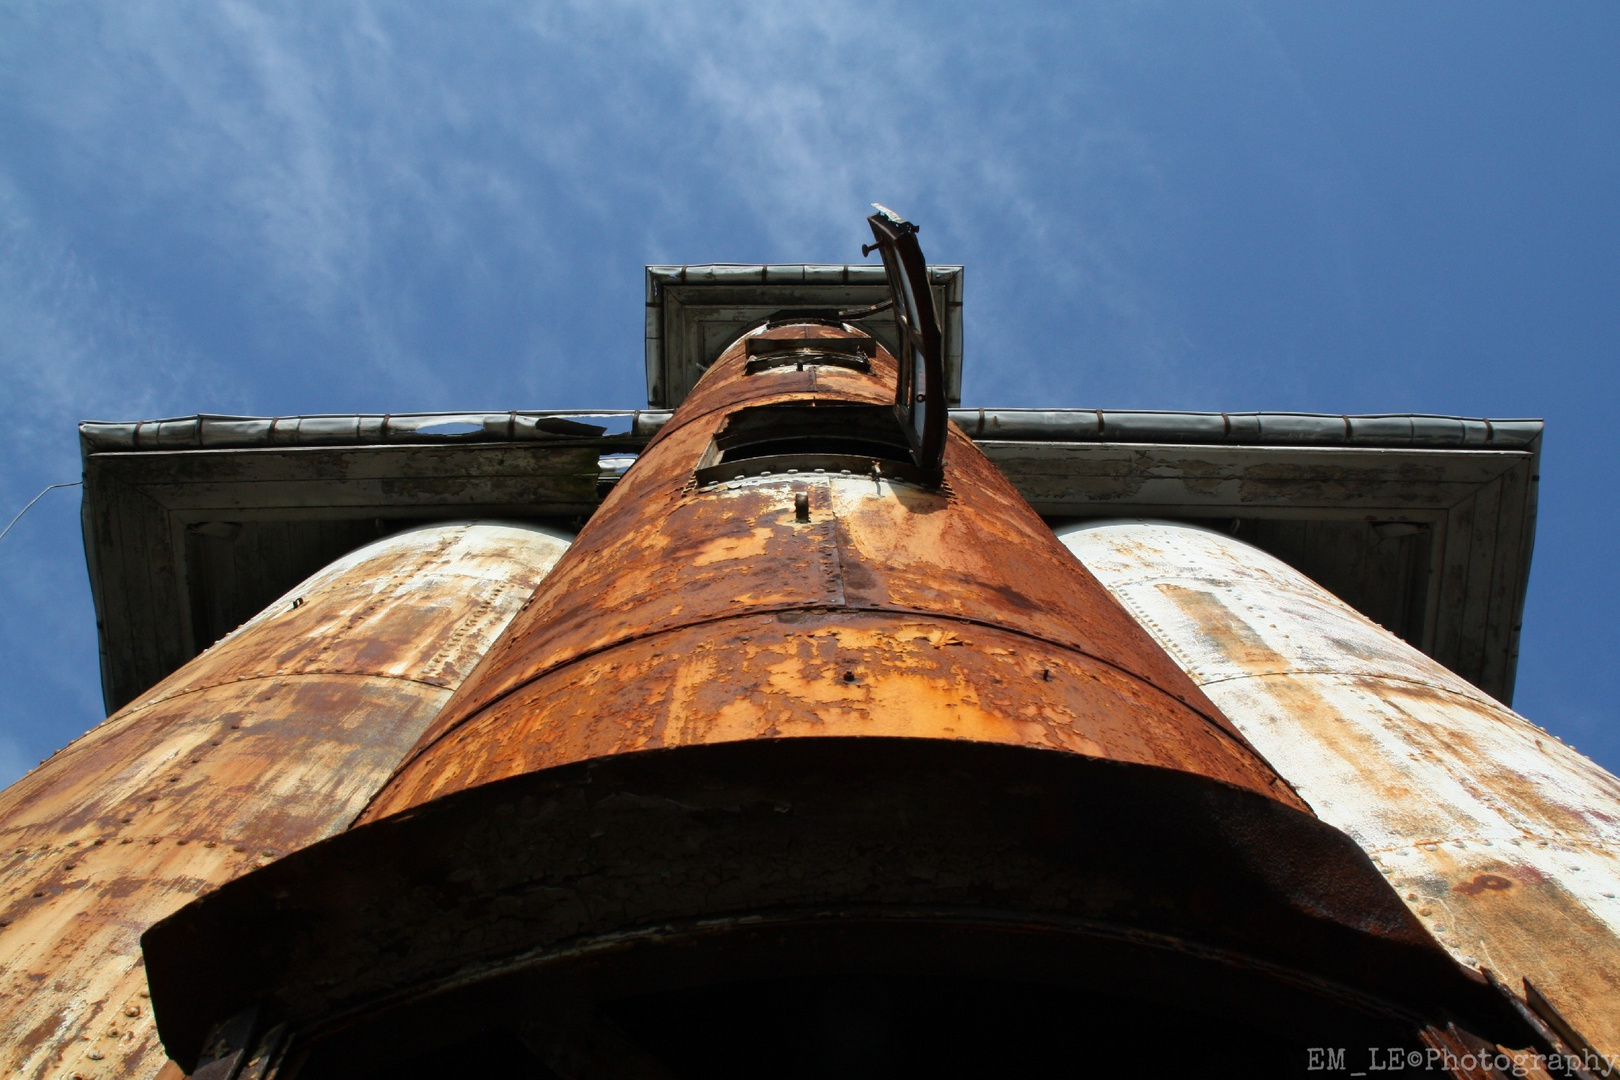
(701, 873)
(1468, 515)
(155, 520)
(689, 614)
(1505, 841)
(791, 722)
(270, 740)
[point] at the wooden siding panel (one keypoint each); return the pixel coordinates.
(1453, 606)
(1502, 602)
(1477, 599)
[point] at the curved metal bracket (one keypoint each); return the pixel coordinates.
(920, 390)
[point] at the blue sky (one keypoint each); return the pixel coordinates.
(325, 207)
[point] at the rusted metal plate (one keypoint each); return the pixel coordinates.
(1503, 840)
(677, 870)
(799, 674)
(272, 739)
(649, 599)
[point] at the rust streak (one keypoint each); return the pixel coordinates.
(688, 614)
(271, 740)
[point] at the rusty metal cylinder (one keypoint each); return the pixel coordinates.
(272, 739)
(789, 587)
(791, 721)
(1502, 839)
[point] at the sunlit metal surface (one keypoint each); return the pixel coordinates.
(1505, 841)
(270, 740)
(691, 614)
(770, 718)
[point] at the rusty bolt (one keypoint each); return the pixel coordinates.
(132, 1010)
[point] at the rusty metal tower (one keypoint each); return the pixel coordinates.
(816, 751)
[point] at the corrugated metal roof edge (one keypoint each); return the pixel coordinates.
(1250, 428)
(206, 431)
(210, 432)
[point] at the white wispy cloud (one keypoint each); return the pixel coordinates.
(308, 207)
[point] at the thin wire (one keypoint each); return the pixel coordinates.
(31, 503)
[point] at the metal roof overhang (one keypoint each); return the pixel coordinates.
(694, 312)
(1424, 523)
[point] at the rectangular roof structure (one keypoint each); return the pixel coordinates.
(693, 312)
(1424, 523)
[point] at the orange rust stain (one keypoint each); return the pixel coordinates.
(1506, 913)
(272, 739)
(1228, 632)
(828, 673)
(1494, 769)
(686, 615)
(1483, 883)
(731, 549)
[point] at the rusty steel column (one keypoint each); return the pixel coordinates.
(1503, 840)
(791, 710)
(273, 738)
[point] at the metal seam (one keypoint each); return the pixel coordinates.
(258, 678)
(1356, 675)
(632, 639)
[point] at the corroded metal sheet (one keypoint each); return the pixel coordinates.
(798, 604)
(1502, 839)
(826, 674)
(272, 739)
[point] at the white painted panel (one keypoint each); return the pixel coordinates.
(1505, 841)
